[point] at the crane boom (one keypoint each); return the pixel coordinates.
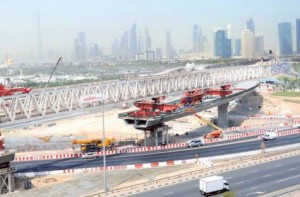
(214, 134)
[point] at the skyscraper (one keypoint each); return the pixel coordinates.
(259, 45)
(198, 40)
(237, 47)
(133, 41)
(168, 45)
(39, 40)
(222, 44)
(94, 51)
(250, 25)
(80, 47)
(298, 35)
(247, 44)
(285, 38)
(147, 40)
(124, 45)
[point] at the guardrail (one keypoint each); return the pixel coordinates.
(243, 162)
(148, 149)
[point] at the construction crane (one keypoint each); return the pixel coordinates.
(92, 145)
(214, 134)
(59, 60)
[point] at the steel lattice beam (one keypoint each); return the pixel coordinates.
(51, 101)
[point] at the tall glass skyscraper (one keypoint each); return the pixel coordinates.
(222, 44)
(80, 47)
(298, 35)
(285, 38)
(250, 25)
(237, 47)
(198, 41)
(133, 41)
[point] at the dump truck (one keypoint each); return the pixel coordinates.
(212, 185)
(94, 145)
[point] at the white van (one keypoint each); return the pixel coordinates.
(270, 135)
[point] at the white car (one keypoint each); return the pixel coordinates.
(89, 155)
(270, 135)
(195, 143)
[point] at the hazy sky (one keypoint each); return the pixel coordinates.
(105, 20)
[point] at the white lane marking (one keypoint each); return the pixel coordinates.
(254, 193)
(166, 194)
(279, 165)
(292, 169)
(267, 175)
(240, 182)
(230, 177)
(254, 171)
(254, 187)
(281, 180)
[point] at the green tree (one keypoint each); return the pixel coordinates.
(292, 84)
(285, 82)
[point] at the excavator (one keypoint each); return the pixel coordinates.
(214, 134)
(94, 145)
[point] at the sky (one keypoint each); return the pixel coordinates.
(104, 20)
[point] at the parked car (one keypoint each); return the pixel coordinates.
(195, 143)
(90, 155)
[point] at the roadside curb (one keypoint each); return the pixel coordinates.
(148, 149)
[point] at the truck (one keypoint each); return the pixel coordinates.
(94, 145)
(212, 185)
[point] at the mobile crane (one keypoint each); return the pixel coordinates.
(92, 145)
(214, 134)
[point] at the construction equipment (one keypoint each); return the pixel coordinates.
(192, 97)
(12, 91)
(93, 145)
(152, 108)
(222, 92)
(214, 134)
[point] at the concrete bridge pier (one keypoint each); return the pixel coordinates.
(245, 101)
(223, 115)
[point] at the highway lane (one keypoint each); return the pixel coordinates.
(147, 157)
(250, 181)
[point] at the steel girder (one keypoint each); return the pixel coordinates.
(51, 101)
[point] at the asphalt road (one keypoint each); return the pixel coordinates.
(247, 182)
(147, 157)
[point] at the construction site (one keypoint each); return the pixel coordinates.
(228, 114)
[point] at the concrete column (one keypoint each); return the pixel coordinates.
(156, 140)
(223, 115)
(9, 183)
(163, 136)
(245, 101)
(145, 138)
(167, 135)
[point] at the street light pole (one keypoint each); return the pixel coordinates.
(103, 140)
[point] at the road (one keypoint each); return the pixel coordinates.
(247, 182)
(147, 157)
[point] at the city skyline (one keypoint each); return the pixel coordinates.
(102, 22)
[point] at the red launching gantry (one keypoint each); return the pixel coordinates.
(11, 91)
(153, 108)
(222, 92)
(191, 98)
